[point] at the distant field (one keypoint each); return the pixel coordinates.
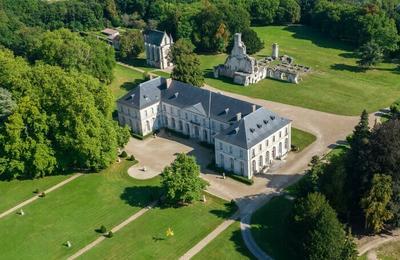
(336, 84)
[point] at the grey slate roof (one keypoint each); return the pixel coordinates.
(253, 128)
(154, 37)
(145, 94)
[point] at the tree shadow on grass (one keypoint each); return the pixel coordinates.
(240, 246)
(230, 209)
(129, 85)
(346, 67)
(137, 62)
(316, 37)
(140, 196)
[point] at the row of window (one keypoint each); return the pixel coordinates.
(260, 146)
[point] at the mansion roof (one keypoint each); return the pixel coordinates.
(248, 122)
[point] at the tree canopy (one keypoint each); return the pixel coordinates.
(62, 121)
(182, 181)
(186, 63)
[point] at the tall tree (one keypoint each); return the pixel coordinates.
(370, 54)
(357, 165)
(186, 63)
(131, 44)
(182, 181)
(317, 231)
(375, 204)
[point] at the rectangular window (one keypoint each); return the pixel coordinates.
(260, 147)
(204, 122)
(164, 108)
(280, 134)
(186, 116)
(221, 146)
(273, 138)
(241, 153)
(253, 153)
(145, 113)
(267, 143)
(286, 131)
(230, 149)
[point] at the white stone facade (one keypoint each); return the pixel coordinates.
(270, 141)
(157, 46)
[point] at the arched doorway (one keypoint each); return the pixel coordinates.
(274, 152)
(280, 149)
(254, 166)
(267, 158)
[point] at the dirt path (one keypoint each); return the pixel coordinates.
(114, 230)
(26, 202)
(369, 243)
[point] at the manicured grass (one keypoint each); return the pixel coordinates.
(139, 62)
(162, 73)
(270, 229)
(125, 79)
(302, 139)
(17, 191)
(145, 238)
(389, 251)
(335, 84)
(73, 213)
(228, 245)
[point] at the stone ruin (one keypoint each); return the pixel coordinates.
(246, 70)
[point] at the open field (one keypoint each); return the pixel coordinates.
(16, 191)
(228, 245)
(335, 85)
(145, 238)
(73, 213)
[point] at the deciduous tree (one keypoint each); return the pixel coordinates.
(186, 63)
(182, 181)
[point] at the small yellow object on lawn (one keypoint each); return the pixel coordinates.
(170, 232)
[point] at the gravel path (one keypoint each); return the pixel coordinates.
(26, 202)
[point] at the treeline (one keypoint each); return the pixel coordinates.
(54, 119)
(363, 183)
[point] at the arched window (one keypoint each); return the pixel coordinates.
(274, 152)
(260, 161)
(267, 157)
(280, 148)
(232, 165)
(287, 143)
(148, 125)
(254, 166)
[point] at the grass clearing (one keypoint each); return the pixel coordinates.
(302, 139)
(228, 245)
(145, 238)
(73, 213)
(16, 191)
(270, 229)
(335, 85)
(125, 79)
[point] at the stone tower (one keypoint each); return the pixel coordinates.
(239, 49)
(275, 51)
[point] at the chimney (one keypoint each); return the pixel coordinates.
(253, 107)
(238, 116)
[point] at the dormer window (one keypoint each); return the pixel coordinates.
(226, 110)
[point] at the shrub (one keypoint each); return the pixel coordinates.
(36, 191)
(103, 229)
(123, 154)
(110, 234)
(132, 158)
(42, 195)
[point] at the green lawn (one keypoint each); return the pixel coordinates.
(145, 238)
(228, 245)
(73, 213)
(16, 191)
(124, 80)
(269, 228)
(162, 73)
(335, 85)
(302, 139)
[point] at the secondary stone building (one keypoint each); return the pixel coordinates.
(247, 138)
(246, 70)
(157, 46)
